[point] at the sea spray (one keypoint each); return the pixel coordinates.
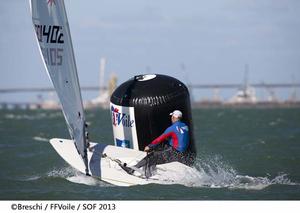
(75, 176)
(214, 172)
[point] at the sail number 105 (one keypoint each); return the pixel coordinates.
(53, 56)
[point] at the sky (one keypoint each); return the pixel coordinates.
(213, 39)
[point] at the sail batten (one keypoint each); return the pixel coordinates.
(53, 36)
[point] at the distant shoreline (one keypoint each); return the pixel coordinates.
(257, 105)
(194, 105)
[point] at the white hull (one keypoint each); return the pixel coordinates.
(109, 171)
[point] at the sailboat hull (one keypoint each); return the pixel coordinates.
(103, 165)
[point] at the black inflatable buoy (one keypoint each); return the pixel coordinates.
(140, 109)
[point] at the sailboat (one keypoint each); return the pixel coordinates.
(93, 159)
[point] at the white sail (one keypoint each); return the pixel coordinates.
(54, 39)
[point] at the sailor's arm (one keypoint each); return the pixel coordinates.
(167, 133)
(159, 140)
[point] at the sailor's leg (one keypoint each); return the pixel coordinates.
(141, 163)
(151, 159)
(169, 155)
(158, 157)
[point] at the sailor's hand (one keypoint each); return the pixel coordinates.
(147, 149)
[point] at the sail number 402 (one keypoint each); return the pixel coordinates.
(49, 33)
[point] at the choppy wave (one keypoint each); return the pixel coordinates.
(214, 173)
(25, 116)
(35, 116)
(32, 178)
(38, 138)
(276, 122)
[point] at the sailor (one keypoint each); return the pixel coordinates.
(170, 146)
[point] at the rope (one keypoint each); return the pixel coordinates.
(104, 155)
(122, 165)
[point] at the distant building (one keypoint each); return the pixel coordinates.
(246, 95)
(105, 91)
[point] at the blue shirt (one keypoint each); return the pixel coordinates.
(176, 135)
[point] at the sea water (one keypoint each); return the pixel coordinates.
(243, 154)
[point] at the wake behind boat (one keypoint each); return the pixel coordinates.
(138, 109)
